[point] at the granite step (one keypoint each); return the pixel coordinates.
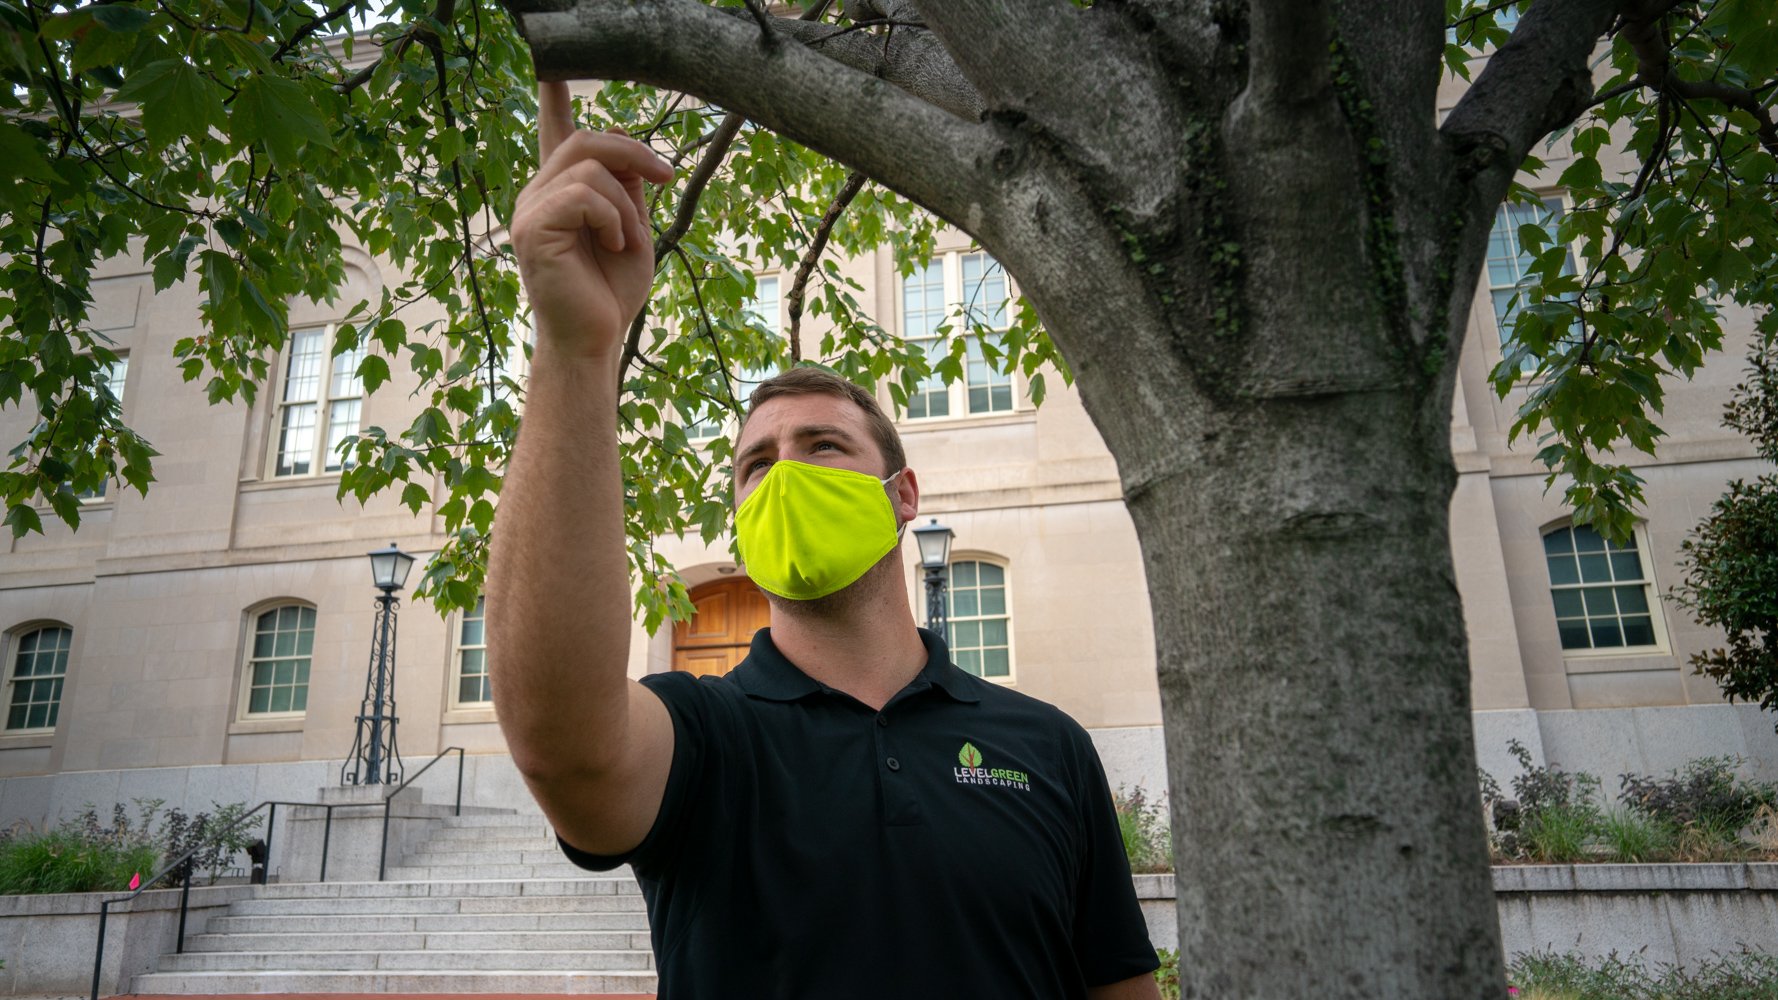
(504, 981)
(422, 960)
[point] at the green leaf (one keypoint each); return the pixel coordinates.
(23, 519)
(122, 18)
(374, 370)
(21, 154)
(414, 496)
(175, 100)
(277, 112)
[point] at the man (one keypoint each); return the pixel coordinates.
(845, 815)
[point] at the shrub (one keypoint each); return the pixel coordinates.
(1147, 840)
(1706, 793)
(1167, 976)
(1554, 816)
(61, 860)
(1635, 837)
(1549, 976)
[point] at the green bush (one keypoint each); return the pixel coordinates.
(1706, 793)
(61, 860)
(1635, 837)
(1167, 976)
(1549, 976)
(1147, 840)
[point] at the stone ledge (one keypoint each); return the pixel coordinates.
(87, 903)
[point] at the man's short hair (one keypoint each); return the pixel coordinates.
(806, 380)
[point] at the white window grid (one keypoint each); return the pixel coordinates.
(320, 400)
(1508, 260)
(278, 660)
(765, 308)
(473, 689)
(116, 375)
(979, 618)
(34, 681)
(1603, 592)
(963, 289)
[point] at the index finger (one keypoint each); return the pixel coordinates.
(555, 117)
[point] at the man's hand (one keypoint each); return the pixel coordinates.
(580, 229)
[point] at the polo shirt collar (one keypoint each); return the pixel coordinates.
(765, 673)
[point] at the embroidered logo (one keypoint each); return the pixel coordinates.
(971, 771)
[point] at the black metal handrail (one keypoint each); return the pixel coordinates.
(383, 851)
(271, 805)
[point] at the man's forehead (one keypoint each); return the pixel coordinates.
(799, 415)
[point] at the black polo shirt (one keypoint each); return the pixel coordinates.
(959, 843)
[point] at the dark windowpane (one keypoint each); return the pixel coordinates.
(268, 622)
(287, 618)
(1599, 602)
(963, 574)
(1002, 397)
(28, 644)
(966, 634)
(262, 645)
(306, 617)
(1563, 570)
(280, 700)
(995, 664)
(970, 660)
(305, 641)
(284, 673)
(1594, 569)
(994, 632)
(1588, 540)
(1574, 635)
(54, 708)
(992, 574)
(37, 717)
(1568, 603)
(963, 603)
(1639, 631)
(299, 698)
(994, 601)
(15, 717)
(262, 675)
(1606, 634)
(260, 700)
(1626, 565)
(286, 644)
(302, 672)
(1632, 600)
(469, 689)
(978, 400)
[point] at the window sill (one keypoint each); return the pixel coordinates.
(1616, 661)
(913, 426)
(465, 715)
(289, 482)
(32, 740)
(246, 727)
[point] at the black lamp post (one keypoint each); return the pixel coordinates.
(374, 759)
(934, 540)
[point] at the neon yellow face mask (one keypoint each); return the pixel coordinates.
(808, 531)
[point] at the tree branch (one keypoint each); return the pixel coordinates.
(799, 286)
(910, 58)
(1535, 83)
(926, 154)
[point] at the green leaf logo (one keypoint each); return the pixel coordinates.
(969, 756)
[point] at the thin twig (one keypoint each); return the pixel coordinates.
(812, 256)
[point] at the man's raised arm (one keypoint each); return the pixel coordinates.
(594, 746)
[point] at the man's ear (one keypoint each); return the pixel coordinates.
(906, 496)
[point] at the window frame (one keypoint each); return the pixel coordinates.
(703, 432)
(1651, 593)
(319, 454)
(454, 702)
(250, 633)
(982, 558)
(14, 638)
(1496, 346)
(122, 378)
(957, 305)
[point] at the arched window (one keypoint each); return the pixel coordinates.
(278, 662)
(472, 659)
(34, 678)
(980, 619)
(1603, 591)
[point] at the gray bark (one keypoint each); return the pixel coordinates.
(1244, 229)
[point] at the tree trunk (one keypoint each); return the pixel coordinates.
(1315, 685)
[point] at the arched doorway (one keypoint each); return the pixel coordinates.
(716, 638)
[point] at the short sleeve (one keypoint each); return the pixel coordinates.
(687, 700)
(1111, 940)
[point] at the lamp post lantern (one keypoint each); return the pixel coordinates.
(374, 759)
(934, 540)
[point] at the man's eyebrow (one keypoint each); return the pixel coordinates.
(801, 433)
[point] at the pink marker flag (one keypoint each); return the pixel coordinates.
(136, 880)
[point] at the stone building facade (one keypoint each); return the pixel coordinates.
(224, 621)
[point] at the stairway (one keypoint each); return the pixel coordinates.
(486, 905)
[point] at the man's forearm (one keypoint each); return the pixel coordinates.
(558, 579)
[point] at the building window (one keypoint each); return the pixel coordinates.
(38, 669)
(1508, 259)
(278, 669)
(318, 407)
(957, 292)
(472, 659)
(115, 375)
(981, 626)
(1603, 591)
(764, 309)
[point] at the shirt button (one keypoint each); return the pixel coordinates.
(882, 720)
(894, 765)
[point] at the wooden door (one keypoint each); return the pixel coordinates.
(716, 638)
